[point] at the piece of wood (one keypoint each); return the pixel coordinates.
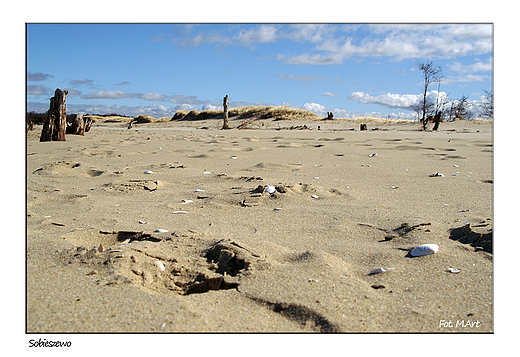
(77, 126)
(56, 123)
(226, 118)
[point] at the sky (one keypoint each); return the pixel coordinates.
(350, 69)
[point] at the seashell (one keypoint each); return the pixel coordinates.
(148, 172)
(437, 174)
(207, 173)
(234, 157)
(143, 222)
(160, 265)
(277, 209)
(199, 190)
(179, 212)
(453, 270)
(161, 231)
(270, 189)
(186, 201)
(425, 249)
(379, 271)
(372, 155)
(314, 196)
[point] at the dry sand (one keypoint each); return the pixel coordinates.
(242, 260)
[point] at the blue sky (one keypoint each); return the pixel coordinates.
(350, 69)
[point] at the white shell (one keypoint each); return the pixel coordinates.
(437, 174)
(270, 189)
(372, 155)
(160, 265)
(148, 172)
(161, 231)
(179, 212)
(186, 201)
(379, 270)
(277, 209)
(425, 249)
(199, 190)
(143, 222)
(453, 270)
(314, 196)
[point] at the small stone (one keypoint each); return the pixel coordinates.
(151, 186)
(378, 286)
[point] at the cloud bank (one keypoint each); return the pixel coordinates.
(333, 44)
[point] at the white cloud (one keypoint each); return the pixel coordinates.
(73, 91)
(119, 94)
(399, 42)
(315, 108)
(79, 82)
(38, 76)
(154, 96)
(472, 68)
(37, 90)
(262, 34)
(392, 100)
(301, 78)
(110, 94)
(389, 100)
(183, 99)
(210, 106)
(329, 94)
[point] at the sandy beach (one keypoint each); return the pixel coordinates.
(182, 227)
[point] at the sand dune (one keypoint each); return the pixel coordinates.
(237, 258)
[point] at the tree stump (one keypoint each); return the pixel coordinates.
(78, 125)
(56, 122)
(226, 118)
(362, 127)
(88, 124)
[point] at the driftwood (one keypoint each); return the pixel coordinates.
(80, 125)
(226, 118)
(56, 123)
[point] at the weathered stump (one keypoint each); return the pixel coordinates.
(226, 118)
(56, 123)
(362, 127)
(88, 124)
(77, 126)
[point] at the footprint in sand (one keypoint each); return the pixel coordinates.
(65, 168)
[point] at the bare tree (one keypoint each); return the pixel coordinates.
(461, 108)
(486, 106)
(431, 74)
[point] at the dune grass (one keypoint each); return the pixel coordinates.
(259, 112)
